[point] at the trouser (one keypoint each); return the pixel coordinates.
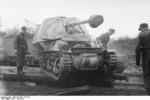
(105, 46)
(20, 60)
(146, 72)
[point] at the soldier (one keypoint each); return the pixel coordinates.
(104, 38)
(21, 48)
(143, 48)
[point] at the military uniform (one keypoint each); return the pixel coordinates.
(104, 39)
(143, 49)
(21, 47)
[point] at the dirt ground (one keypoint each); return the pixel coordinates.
(134, 86)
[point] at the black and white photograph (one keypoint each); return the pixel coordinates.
(74, 48)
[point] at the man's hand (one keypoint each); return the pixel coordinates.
(138, 66)
(15, 51)
(27, 52)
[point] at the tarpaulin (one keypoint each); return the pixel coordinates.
(55, 29)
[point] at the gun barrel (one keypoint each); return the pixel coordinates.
(94, 21)
(78, 23)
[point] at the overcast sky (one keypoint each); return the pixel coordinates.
(122, 15)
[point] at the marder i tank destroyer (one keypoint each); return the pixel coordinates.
(64, 46)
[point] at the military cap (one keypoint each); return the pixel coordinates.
(23, 28)
(143, 25)
(112, 30)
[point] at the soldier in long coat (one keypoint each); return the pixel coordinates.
(21, 48)
(143, 51)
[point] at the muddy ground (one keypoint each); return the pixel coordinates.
(134, 86)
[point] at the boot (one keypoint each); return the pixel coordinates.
(20, 70)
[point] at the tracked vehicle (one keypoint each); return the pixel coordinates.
(64, 46)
